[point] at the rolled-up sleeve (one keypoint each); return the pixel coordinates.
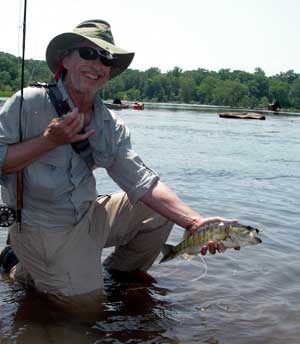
(128, 170)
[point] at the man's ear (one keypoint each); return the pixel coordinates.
(65, 61)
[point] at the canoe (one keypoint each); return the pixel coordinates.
(138, 106)
(242, 115)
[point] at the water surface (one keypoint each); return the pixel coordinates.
(249, 170)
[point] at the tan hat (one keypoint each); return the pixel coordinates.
(95, 31)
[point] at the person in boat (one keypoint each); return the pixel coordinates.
(117, 101)
(275, 106)
(65, 224)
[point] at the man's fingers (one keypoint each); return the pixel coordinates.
(73, 125)
(74, 122)
(214, 220)
(212, 247)
(71, 116)
(76, 127)
(84, 136)
(203, 250)
(222, 219)
(220, 247)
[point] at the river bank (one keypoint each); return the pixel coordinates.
(200, 107)
(211, 108)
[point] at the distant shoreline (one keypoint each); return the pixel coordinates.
(201, 107)
(213, 108)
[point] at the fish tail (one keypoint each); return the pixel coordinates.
(168, 253)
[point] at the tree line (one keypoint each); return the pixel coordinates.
(224, 87)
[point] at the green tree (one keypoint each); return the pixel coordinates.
(204, 92)
(230, 92)
(279, 90)
(288, 77)
(187, 89)
(294, 94)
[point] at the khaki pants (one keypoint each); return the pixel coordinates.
(67, 261)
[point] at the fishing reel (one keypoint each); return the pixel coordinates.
(7, 216)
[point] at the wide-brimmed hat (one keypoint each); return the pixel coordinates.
(94, 31)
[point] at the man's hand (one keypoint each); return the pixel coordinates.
(212, 246)
(165, 202)
(60, 132)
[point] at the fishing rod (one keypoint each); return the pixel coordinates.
(8, 215)
(19, 194)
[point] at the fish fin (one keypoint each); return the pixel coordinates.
(167, 251)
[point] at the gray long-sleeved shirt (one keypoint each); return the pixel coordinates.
(59, 186)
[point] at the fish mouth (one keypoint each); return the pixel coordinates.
(258, 240)
(254, 238)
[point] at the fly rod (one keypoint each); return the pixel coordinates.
(19, 194)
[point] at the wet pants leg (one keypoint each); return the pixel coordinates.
(136, 232)
(67, 261)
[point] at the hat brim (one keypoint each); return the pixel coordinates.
(64, 41)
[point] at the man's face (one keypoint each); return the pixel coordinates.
(85, 76)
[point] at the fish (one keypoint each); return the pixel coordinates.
(230, 234)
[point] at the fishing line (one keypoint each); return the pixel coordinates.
(196, 279)
(191, 261)
(19, 26)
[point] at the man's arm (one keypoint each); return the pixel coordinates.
(58, 132)
(20, 155)
(165, 202)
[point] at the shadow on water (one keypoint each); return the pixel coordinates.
(130, 313)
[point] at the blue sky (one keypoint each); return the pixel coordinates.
(190, 34)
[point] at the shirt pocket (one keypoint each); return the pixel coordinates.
(47, 178)
(59, 157)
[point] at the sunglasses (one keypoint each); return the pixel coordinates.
(90, 54)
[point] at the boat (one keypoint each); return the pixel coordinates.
(242, 115)
(138, 106)
(113, 106)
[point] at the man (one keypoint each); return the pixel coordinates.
(64, 225)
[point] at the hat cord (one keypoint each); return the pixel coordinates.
(58, 71)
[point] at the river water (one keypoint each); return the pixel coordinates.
(246, 169)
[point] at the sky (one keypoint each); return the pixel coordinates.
(189, 34)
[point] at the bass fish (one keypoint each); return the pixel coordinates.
(229, 234)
